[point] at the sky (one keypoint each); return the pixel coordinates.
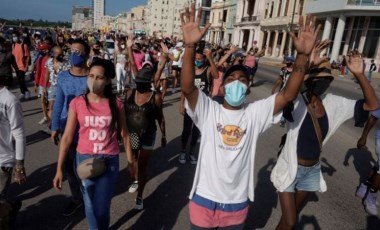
(57, 10)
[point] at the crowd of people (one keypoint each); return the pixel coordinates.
(89, 118)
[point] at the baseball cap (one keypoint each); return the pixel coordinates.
(144, 76)
(236, 68)
(179, 45)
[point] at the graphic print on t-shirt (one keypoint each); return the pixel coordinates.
(231, 134)
(95, 123)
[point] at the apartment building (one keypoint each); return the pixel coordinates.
(99, 10)
(350, 24)
(222, 19)
(249, 14)
(163, 17)
(82, 17)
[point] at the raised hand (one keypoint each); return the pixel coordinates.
(305, 42)
(190, 26)
(208, 53)
(315, 56)
(354, 62)
(164, 48)
(130, 41)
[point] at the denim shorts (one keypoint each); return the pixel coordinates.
(148, 140)
(52, 91)
(307, 179)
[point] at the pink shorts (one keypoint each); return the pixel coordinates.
(209, 214)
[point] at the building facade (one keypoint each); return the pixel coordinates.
(99, 10)
(247, 32)
(280, 17)
(82, 17)
(163, 17)
(350, 24)
(222, 19)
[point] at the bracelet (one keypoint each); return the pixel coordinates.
(20, 170)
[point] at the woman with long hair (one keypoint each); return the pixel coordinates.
(101, 119)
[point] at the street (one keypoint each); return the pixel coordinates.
(165, 195)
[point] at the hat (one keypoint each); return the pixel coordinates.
(322, 71)
(44, 46)
(147, 63)
(290, 59)
(179, 45)
(144, 76)
(236, 68)
(239, 55)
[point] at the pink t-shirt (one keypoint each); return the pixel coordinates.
(250, 61)
(139, 57)
(94, 134)
(217, 83)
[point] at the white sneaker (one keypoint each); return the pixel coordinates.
(361, 190)
(370, 203)
(43, 121)
(27, 95)
(134, 186)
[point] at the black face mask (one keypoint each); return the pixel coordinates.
(288, 64)
(319, 87)
(143, 87)
(59, 58)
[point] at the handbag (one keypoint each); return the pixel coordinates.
(91, 168)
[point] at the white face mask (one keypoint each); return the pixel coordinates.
(122, 46)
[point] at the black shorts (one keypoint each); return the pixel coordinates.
(175, 67)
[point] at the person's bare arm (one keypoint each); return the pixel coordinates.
(355, 64)
(192, 34)
(304, 45)
(367, 128)
(131, 57)
(213, 69)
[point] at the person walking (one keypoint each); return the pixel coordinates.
(20, 51)
(224, 177)
(205, 72)
(315, 118)
(367, 190)
(372, 68)
(54, 66)
(120, 58)
(101, 118)
(12, 146)
(70, 83)
(143, 108)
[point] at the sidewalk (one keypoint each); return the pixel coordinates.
(273, 61)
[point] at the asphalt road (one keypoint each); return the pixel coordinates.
(165, 196)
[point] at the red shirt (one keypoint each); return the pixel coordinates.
(41, 71)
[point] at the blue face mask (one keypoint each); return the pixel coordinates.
(235, 93)
(199, 64)
(77, 60)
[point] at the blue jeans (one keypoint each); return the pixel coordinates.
(97, 192)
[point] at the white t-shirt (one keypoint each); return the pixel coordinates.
(225, 166)
(12, 125)
(376, 113)
(175, 52)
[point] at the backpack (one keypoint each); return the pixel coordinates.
(23, 51)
